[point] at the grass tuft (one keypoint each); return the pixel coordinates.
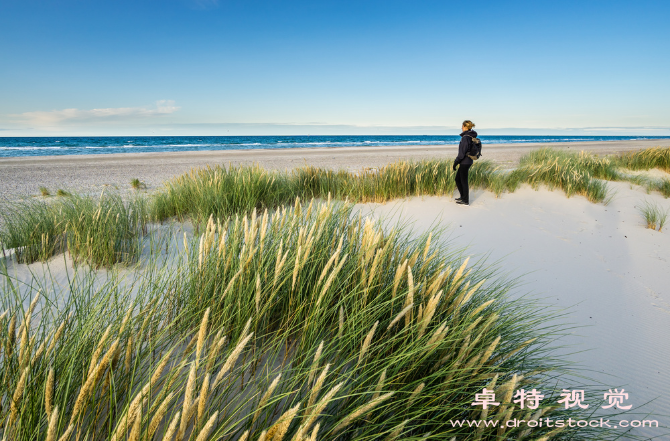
(137, 184)
(100, 231)
(44, 191)
(654, 215)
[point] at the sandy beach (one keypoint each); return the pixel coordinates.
(597, 264)
(22, 176)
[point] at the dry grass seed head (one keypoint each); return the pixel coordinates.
(400, 315)
(231, 360)
(98, 350)
(279, 429)
(202, 335)
(264, 399)
(17, 396)
(59, 333)
(158, 371)
(211, 359)
(410, 294)
(159, 415)
(53, 426)
(318, 408)
(209, 426)
(49, 393)
(204, 395)
(317, 386)
(129, 353)
(315, 363)
(340, 329)
(415, 394)
(365, 408)
(380, 385)
(189, 392)
(396, 432)
(398, 276)
(137, 426)
(67, 434)
(366, 342)
(427, 316)
(172, 428)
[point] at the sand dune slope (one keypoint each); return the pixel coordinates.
(597, 261)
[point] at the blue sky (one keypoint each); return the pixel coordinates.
(208, 67)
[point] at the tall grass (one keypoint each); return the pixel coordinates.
(579, 174)
(306, 323)
(39, 229)
(100, 231)
(654, 215)
(224, 191)
(646, 159)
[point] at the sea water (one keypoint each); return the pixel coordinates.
(42, 146)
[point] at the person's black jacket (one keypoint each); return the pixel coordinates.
(464, 147)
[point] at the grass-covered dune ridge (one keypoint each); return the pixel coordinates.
(223, 191)
(100, 231)
(305, 323)
(104, 231)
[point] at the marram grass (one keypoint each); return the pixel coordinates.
(654, 215)
(98, 230)
(225, 191)
(39, 229)
(305, 323)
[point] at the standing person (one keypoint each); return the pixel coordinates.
(463, 162)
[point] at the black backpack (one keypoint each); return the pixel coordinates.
(475, 148)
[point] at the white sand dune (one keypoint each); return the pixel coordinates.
(597, 261)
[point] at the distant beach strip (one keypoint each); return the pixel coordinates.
(49, 146)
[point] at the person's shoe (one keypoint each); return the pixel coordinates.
(458, 199)
(462, 202)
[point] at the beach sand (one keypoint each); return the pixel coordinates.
(598, 264)
(22, 176)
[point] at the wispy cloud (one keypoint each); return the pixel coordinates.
(78, 116)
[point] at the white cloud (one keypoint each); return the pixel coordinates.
(77, 116)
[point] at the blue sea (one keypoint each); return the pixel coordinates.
(43, 146)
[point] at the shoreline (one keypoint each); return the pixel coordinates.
(22, 176)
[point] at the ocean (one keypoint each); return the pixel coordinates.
(43, 146)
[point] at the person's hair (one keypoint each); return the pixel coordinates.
(468, 124)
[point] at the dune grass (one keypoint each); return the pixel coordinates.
(44, 191)
(291, 322)
(100, 231)
(654, 215)
(224, 191)
(136, 184)
(646, 159)
(306, 323)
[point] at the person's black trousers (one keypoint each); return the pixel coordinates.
(462, 182)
